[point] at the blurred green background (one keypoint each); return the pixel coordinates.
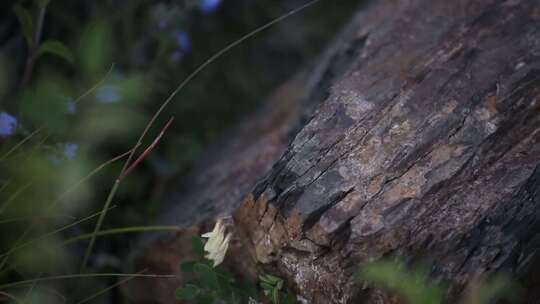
(79, 80)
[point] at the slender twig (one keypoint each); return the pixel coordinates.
(117, 182)
(84, 275)
(167, 101)
(34, 48)
(49, 290)
(104, 290)
(46, 235)
(98, 224)
(36, 217)
(76, 101)
(147, 151)
(97, 85)
(14, 196)
(121, 231)
(60, 197)
(89, 175)
(20, 143)
(31, 289)
(10, 296)
(4, 186)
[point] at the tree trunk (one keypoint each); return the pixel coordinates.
(426, 146)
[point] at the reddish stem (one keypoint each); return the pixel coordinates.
(146, 152)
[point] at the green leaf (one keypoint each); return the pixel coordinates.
(197, 245)
(412, 286)
(25, 21)
(188, 266)
(187, 292)
(266, 286)
(207, 275)
(206, 299)
(45, 104)
(275, 296)
(95, 49)
(57, 48)
(270, 279)
(289, 298)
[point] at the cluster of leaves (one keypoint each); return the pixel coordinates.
(29, 31)
(212, 284)
(416, 287)
(272, 288)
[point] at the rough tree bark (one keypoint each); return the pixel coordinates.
(426, 145)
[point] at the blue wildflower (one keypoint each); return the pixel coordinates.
(176, 56)
(163, 24)
(55, 160)
(70, 150)
(183, 40)
(71, 107)
(8, 124)
(67, 151)
(209, 6)
(109, 94)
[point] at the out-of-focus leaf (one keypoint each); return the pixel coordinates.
(188, 266)
(25, 21)
(95, 49)
(488, 291)
(105, 122)
(207, 275)
(197, 245)
(188, 292)
(45, 105)
(411, 285)
(57, 48)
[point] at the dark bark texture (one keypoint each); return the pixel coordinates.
(425, 144)
(427, 147)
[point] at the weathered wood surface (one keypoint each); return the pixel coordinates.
(425, 144)
(222, 178)
(427, 148)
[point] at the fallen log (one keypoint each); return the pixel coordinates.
(427, 148)
(425, 145)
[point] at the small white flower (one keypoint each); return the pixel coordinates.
(217, 244)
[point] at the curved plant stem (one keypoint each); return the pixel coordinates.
(167, 101)
(104, 290)
(46, 235)
(84, 275)
(121, 231)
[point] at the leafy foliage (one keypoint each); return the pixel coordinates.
(78, 82)
(26, 23)
(57, 48)
(213, 284)
(416, 287)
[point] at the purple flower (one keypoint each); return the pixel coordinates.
(70, 150)
(163, 24)
(109, 94)
(209, 6)
(183, 40)
(67, 151)
(8, 124)
(176, 56)
(55, 160)
(71, 107)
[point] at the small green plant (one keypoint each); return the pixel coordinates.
(210, 283)
(415, 288)
(272, 286)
